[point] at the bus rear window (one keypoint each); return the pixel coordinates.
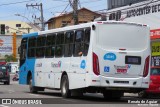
(127, 36)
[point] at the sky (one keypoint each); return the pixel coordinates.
(51, 8)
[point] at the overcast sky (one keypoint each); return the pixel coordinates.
(8, 8)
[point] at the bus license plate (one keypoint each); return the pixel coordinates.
(121, 70)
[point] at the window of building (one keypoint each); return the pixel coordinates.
(18, 25)
(65, 23)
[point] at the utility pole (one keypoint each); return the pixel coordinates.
(75, 11)
(41, 10)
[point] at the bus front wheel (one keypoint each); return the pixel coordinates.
(66, 93)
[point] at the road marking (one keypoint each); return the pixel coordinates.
(34, 95)
(4, 106)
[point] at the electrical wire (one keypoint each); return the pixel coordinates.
(64, 10)
(60, 0)
(15, 3)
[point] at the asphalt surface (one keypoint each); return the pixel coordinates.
(16, 92)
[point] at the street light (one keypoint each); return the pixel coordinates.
(28, 23)
(24, 17)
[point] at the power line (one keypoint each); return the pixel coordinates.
(71, 4)
(15, 2)
(64, 10)
(55, 7)
(60, 0)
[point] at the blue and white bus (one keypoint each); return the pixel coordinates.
(105, 57)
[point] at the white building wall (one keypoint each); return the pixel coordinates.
(18, 30)
(10, 29)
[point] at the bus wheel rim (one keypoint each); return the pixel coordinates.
(64, 88)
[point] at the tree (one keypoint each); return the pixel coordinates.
(10, 58)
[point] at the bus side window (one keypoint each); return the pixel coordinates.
(50, 45)
(23, 48)
(68, 47)
(40, 50)
(86, 41)
(32, 47)
(59, 44)
(78, 45)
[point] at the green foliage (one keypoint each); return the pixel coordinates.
(10, 58)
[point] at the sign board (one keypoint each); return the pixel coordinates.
(146, 12)
(155, 61)
(6, 45)
(155, 34)
(155, 48)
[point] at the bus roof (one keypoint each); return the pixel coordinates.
(83, 25)
(30, 34)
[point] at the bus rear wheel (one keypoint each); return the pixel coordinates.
(142, 94)
(66, 93)
(31, 87)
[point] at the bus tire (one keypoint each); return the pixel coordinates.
(107, 95)
(32, 88)
(142, 94)
(66, 93)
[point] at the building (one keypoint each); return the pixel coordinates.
(119, 3)
(146, 12)
(18, 27)
(66, 19)
(11, 34)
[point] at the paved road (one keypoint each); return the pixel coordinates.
(54, 97)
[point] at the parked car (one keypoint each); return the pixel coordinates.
(4, 74)
(154, 86)
(16, 76)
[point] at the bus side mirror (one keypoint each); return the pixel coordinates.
(19, 50)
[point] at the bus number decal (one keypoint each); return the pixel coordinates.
(110, 56)
(83, 64)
